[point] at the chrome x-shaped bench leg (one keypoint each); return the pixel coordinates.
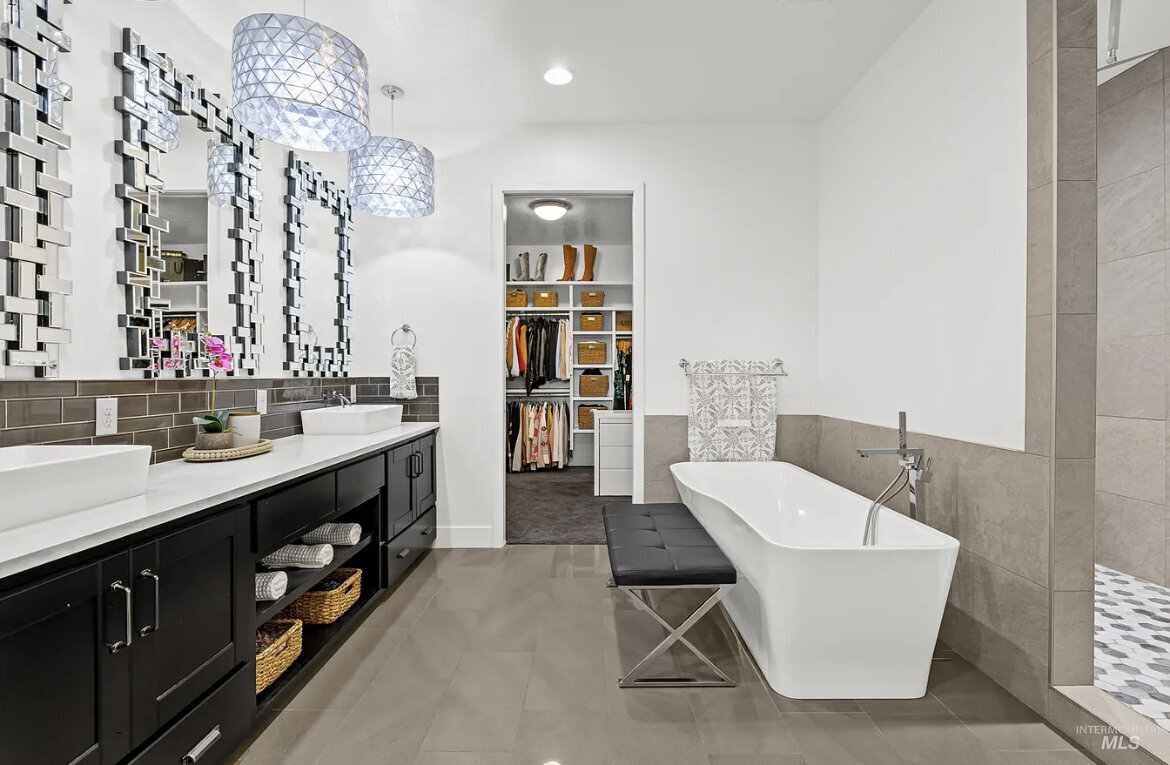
(640, 597)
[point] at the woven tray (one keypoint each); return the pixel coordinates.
(222, 455)
(276, 658)
(327, 606)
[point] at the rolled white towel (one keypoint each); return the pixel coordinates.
(300, 556)
(271, 585)
(334, 534)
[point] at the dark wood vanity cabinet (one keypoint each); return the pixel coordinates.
(95, 661)
(412, 484)
(193, 596)
(144, 653)
(53, 660)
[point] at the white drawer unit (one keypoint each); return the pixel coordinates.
(613, 454)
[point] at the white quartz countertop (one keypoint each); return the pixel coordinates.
(177, 489)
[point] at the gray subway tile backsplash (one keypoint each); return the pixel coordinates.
(158, 413)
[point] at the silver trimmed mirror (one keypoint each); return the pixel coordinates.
(32, 292)
(177, 291)
(313, 306)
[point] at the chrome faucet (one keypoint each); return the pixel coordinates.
(338, 397)
(914, 473)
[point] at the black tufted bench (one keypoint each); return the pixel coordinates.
(663, 546)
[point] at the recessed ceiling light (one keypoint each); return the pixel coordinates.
(550, 209)
(558, 76)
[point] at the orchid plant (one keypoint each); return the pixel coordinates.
(218, 360)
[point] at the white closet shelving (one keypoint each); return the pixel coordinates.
(618, 299)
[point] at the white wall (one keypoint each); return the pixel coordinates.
(923, 230)
(730, 252)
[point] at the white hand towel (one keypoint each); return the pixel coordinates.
(271, 585)
(402, 372)
(334, 534)
(300, 556)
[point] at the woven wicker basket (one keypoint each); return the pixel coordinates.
(592, 299)
(592, 322)
(593, 386)
(517, 299)
(327, 606)
(585, 415)
(276, 658)
(624, 322)
(591, 353)
(547, 299)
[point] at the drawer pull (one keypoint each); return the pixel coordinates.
(129, 633)
(148, 574)
(426, 532)
(405, 552)
(201, 748)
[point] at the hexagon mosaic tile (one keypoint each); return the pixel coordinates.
(1131, 643)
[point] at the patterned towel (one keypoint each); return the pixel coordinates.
(402, 372)
(300, 556)
(271, 585)
(732, 411)
(334, 534)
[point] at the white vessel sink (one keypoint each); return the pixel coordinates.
(355, 420)
(42, 482)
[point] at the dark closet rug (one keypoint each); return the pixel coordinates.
(554, 507)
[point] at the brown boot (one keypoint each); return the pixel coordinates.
(590, 259)
(570, 263)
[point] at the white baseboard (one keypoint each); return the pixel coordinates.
(463, 536)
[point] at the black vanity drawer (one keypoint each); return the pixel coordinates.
(283, 516)
(359, 482)
(405, 549)
(211, 731)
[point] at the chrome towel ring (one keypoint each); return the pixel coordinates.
(405, 329)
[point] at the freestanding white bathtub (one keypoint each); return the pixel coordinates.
(824, 617)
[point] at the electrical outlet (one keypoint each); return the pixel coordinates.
(262, 401)
(107, 417)
(352, 393)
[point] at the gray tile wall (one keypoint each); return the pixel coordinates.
(1131, 527)
(158, 412)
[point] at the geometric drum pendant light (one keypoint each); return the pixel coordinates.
(221, 171)
(300, 83)
(392, 177)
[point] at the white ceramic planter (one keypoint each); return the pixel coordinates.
(245, 428)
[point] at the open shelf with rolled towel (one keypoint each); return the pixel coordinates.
(311, 560)
(303, 580)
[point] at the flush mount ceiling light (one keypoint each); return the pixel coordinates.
(392, 177)
(550, 209)
(300, 83)
(558, 76)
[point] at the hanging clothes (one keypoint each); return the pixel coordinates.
(623, 377)
(538, 349)
(538, 435)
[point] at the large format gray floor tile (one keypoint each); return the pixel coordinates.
(841, 739)
(489, 657)
(481, 710)
(293, 738)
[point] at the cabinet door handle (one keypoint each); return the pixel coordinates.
(404, 552)
(148, 574)
(416, 461)
(426, 532)
(201, 748)
(129, 634)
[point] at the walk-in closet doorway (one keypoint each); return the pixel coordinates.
(569, 267)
